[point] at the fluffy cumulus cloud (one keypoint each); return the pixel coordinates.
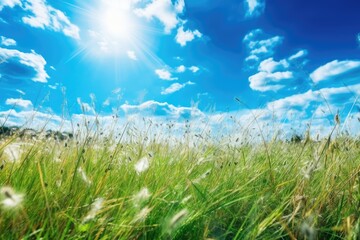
(175, 87)
(154, 108)
(45, 16)
(260, 45)
(181, 69)
(194, 69)
(316, 103)
(275, 75)
(7, 41)
(164, 11)
(183, 37)
(9, 3)
(16, 64)
(254, 7)
(270, 65)
(42, 15)
(18, 102)
(347, 70)
(264, 81)
(165, 75)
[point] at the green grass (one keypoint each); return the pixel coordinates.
(277, 190)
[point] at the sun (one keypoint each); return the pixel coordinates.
(114, 28)
(117, 22)
(113, 33)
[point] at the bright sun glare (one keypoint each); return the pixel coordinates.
(115, 28)
(117, 23)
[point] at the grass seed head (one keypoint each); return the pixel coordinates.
(95, 208)
(307, 230)
(337, 119)
(142, 165)
(141, 197)
(13, 152)
(142, 215)
(10, 199)
(177, 219)
(84, 176)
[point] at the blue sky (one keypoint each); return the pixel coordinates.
(293, 62)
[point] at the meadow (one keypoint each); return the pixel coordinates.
(97, 186)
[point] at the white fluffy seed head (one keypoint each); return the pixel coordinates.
(95, 208)
(142, 196)
(10, 199)
(177, 219)
(142, 165)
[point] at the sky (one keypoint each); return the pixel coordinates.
(295, 62)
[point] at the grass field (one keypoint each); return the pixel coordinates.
(97, 187)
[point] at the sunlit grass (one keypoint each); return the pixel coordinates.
(96, 187)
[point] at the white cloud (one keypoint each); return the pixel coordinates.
(273, 75)
(163, 10)
(179, 6)
(7, 41)
(181, 69)
(182, 37)
(33, 119)
(45, 16)
(335, 69)
(194, 69)
(260, 45)
(315, 101)
(252, 58)
(255, 7)
(269, 65)
(165, 74)
(33, 60)
(19, 102)
(302, 101)
(132, 55)
(299, 54)
(151, 108)
(175, 87)
(264, 81)
(9, 3)
(85, 107)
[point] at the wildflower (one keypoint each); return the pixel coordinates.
(10, 199)
(141, 196)
(142, 165)
(96, 207)
(83, 176)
